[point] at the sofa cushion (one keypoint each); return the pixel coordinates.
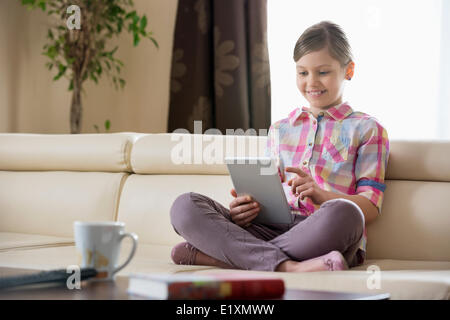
(80, 152)
(413, 224)
(191, 153)
(412, 279)
(47, 203)
(160, 153)
(396, 265)
(425, 160)
(19, 241)
(148, 258)
(146, 201)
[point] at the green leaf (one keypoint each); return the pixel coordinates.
(96, 128)
(93, 77)
(135, 20)
(115, 82)
(62, 69)
(119, 62)
(143, 23)
(122, 83)
(107, 125)
(41, 5)
(130, 14)
(28, 2)
(114, 50)
(51, 52)
(110, 29)
(136, 39)
(154, 42)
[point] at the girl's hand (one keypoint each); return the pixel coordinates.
(304, 186)
(243, 209)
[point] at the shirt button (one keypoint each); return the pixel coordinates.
(314, 122)
(305, 163)
(310, 144)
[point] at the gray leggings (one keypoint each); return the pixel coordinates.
(207, 225)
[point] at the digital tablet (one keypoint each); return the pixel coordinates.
(258, 177)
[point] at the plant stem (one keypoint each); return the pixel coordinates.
(76, 108)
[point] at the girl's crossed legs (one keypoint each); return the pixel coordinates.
(336, 226)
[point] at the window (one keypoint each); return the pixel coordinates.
(402, 55)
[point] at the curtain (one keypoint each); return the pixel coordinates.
(220, 66)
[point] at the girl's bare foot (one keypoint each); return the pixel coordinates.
(332, 261)
(185, 253)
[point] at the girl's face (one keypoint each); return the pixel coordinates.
(320, 79)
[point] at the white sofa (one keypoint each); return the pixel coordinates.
(49, 181)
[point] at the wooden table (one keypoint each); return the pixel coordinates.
(117, 290)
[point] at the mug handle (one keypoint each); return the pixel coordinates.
(133, 237)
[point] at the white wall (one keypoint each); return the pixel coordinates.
(396, 45)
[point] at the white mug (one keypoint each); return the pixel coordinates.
(98, 246)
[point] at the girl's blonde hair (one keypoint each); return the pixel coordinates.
(324, 34)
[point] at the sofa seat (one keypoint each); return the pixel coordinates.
(21, 241)
(400, 278)
(400, 284)
(148, 258)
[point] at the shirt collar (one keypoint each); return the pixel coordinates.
(338, 112)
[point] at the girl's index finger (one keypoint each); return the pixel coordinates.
(298, 171)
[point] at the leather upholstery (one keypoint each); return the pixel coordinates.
(82, 152)
(49, 181)
(419, 160)
(47, 203)
(146, 200)
(199, 154)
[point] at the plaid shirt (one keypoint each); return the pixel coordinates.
(344, 151)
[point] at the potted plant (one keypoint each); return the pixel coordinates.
(77, 42)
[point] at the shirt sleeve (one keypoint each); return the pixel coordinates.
(371, 164)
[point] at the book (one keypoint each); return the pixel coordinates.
(205, 286)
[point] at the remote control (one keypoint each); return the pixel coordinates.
(58, 275)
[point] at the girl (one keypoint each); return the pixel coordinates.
(334, 181)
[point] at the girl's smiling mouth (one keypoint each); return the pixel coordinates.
(316, 93)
